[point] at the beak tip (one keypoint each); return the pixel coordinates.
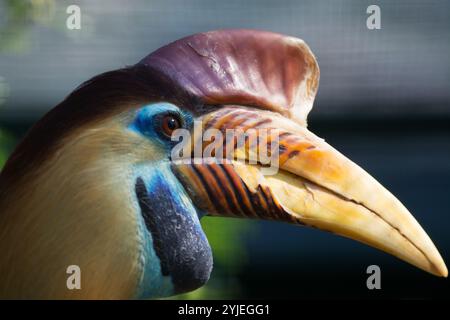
(443, 272)
(439, 268)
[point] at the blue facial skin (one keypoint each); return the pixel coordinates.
(176, 256)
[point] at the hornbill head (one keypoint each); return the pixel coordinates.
(116, 177)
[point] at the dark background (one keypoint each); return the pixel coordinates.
(384, 101)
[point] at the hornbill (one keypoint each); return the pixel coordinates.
(94, 182)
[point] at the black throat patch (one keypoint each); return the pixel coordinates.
(178, 240)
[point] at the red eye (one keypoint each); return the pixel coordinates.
(169, 124)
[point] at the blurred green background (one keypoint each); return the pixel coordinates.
(384, 101)
(5, 146)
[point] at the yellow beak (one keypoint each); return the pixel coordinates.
(314, 185)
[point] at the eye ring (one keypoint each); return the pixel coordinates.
(169, 123)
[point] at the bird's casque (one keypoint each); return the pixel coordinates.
(94, 183)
